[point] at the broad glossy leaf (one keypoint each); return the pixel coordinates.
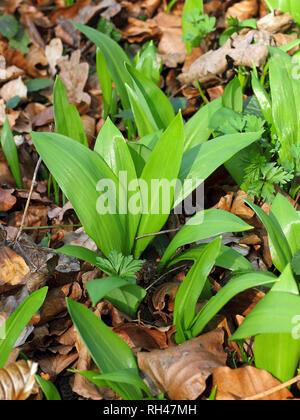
(108, 350)
(285, 101)
(67, 118)
(48, 388)
(228, 258)
(142, 114)
(115, 58)
(163, 164)
(158, 103)
(105, 82)
(127, 299)
(263, 98)
(10, 151)
(12, 328)
(112, 147)
(235, 286)
(289, 221)
(197, 130)
(191, 289)
(108, 379)
(79, 252)
(204, 225)
(279, 247)
(233, 96)
(140, 155)
(78, 171)
(201, 161)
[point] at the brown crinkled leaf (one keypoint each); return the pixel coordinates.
(13, 269)
(7, 200)
(74, 75)
(181, 371)
(239, 207)
(36, 63)
(245, 382)
(13, 88)
(160, 295)
(17, 380)
(54, 52)
(243, 10)
(275, 22)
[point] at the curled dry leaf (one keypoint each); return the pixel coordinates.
(74, 75)
(246, 382)
(13, 88)
(181, 371)
(54, 52)
(17, 380)
(166, 290)
(7, 200)
(36, 63)
(275, 22)
(243, 10)
(13, 269)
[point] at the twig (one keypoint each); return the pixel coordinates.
(28, 200)
(164, 275)
(157, 233)
(273, 390)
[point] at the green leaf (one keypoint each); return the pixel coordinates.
(105, 82)
(78, 171)
(233, 96)
(204, 225)
(201, 161)
(163, 165)
(48, 388)
(285, 101)
(66, 116)
(10, 151)
(228, 258)
(190, 6)
(102, 288)
(115, 58)
(108, 350)
(191, 289)
(20, 41)
(197, 130)
(13, 102)
(8, 26)
(12, 328)
(158, 103)
(112, 147)
(279, 247)
(289, 221)
(263, 98)
(34, 85)
(79, 252)
(235, 286)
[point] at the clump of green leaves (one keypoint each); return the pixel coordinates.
(107, 28)
(200, 26)
(15, 33)
(117, 264)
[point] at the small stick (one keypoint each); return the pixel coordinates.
(157, 233)
(273, 390)
(28, 200)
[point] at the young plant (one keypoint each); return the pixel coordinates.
(196, 26)
(273, 323)
(10, 151)
(117, 364)
(234, 25)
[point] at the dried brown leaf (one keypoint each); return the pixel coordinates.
(17, 380)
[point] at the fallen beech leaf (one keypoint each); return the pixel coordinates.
(239, 207)
(138, 336)
(275, 22)
(74, 75)
(243, 10)
(7, 200)
(54, 52)
(13, 88)
(245, 382)
(13, 269)
(17, 380)
(181, 371)
(36, 63)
